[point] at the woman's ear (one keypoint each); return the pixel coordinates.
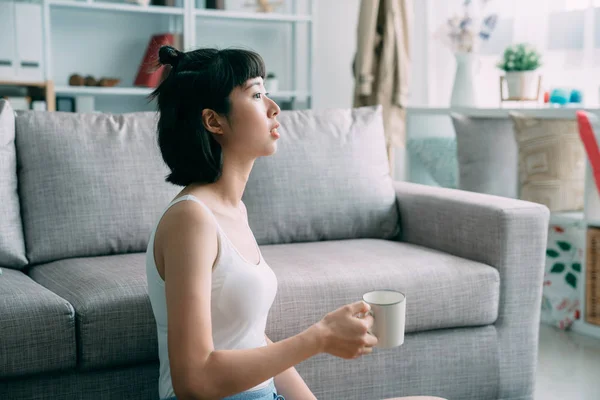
(212, 121)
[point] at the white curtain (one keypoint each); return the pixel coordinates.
(566, 32)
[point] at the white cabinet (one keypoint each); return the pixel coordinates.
(7, 41)
(21, 42)
(29, 41)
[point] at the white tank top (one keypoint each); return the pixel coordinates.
(241, 297)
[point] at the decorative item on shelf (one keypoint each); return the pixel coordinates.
(463, 35)
(215, 4)
(79, 80)
(149, 73)
(264, 6)
(271, 83)
(520, 62)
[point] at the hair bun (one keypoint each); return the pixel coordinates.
(168, 55)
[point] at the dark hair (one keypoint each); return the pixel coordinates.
(198, 79)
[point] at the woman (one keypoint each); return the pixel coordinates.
(205, 270)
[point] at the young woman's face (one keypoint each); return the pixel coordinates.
(252, 126)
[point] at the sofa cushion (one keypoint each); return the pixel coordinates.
(442, 291)
(329, 179)
(12, 243)
(37, 327)
(115, 324)
(90, 184)
(487, 155)
(551, 162)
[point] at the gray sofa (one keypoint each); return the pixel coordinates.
(80, 194)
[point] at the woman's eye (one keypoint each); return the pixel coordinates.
(257, 95)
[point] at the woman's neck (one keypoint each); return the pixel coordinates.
(232, 183)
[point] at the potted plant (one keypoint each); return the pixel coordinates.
(520, 62)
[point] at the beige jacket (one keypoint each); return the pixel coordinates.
(382, 63)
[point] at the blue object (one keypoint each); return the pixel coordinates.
(559, 96)
(576, 96)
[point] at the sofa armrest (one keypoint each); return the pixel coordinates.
(507, 234)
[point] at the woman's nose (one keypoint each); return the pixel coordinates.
(274, 109)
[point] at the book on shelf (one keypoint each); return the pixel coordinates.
(150, 74)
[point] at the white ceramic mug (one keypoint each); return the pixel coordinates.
(388, 308)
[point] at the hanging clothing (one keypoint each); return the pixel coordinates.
(382, 63)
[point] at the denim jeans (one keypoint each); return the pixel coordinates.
(266, 393)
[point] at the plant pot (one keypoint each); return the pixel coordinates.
(522, 85)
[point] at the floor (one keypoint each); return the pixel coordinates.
(568, 366)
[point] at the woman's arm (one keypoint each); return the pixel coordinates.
(290, 384)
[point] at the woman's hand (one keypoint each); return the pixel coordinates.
(344, 332)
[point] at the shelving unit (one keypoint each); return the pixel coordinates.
(592, 220)
(45, 90)
(117, 7)
(81, 36)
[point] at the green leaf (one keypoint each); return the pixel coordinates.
(576, 267)
(565, 246)
(558, 268)
(552, 253)
(571, 280)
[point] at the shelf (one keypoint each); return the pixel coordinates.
(141, 91)
(536, 111)
(119, 7)
(102, 91)
(250, 16)
(23, 83)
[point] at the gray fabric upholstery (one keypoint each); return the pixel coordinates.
(37, 328)
(12, 243)
(452, 363)
(460, 364)
(441, 290)
(128, 383)
(329, 179)
(488, 155)
(115, 325)
(98, 188)
(509, 235)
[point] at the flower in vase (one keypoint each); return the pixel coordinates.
(463, 33)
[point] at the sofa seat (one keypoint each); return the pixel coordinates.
(442, 291)
(115, 324)
(37, 328)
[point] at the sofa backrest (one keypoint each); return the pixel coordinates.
(12, 244)
(328, 180)
(90, 184)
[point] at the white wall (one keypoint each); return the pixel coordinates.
(335, 41)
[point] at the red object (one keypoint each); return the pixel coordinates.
(150, 74)
(586, 132)
(546, 97)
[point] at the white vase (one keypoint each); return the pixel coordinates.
(522, 84)
(463, 88)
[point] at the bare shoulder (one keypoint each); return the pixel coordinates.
(186, 228)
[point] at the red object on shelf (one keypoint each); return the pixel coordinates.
(149, 73)
(588, 137)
